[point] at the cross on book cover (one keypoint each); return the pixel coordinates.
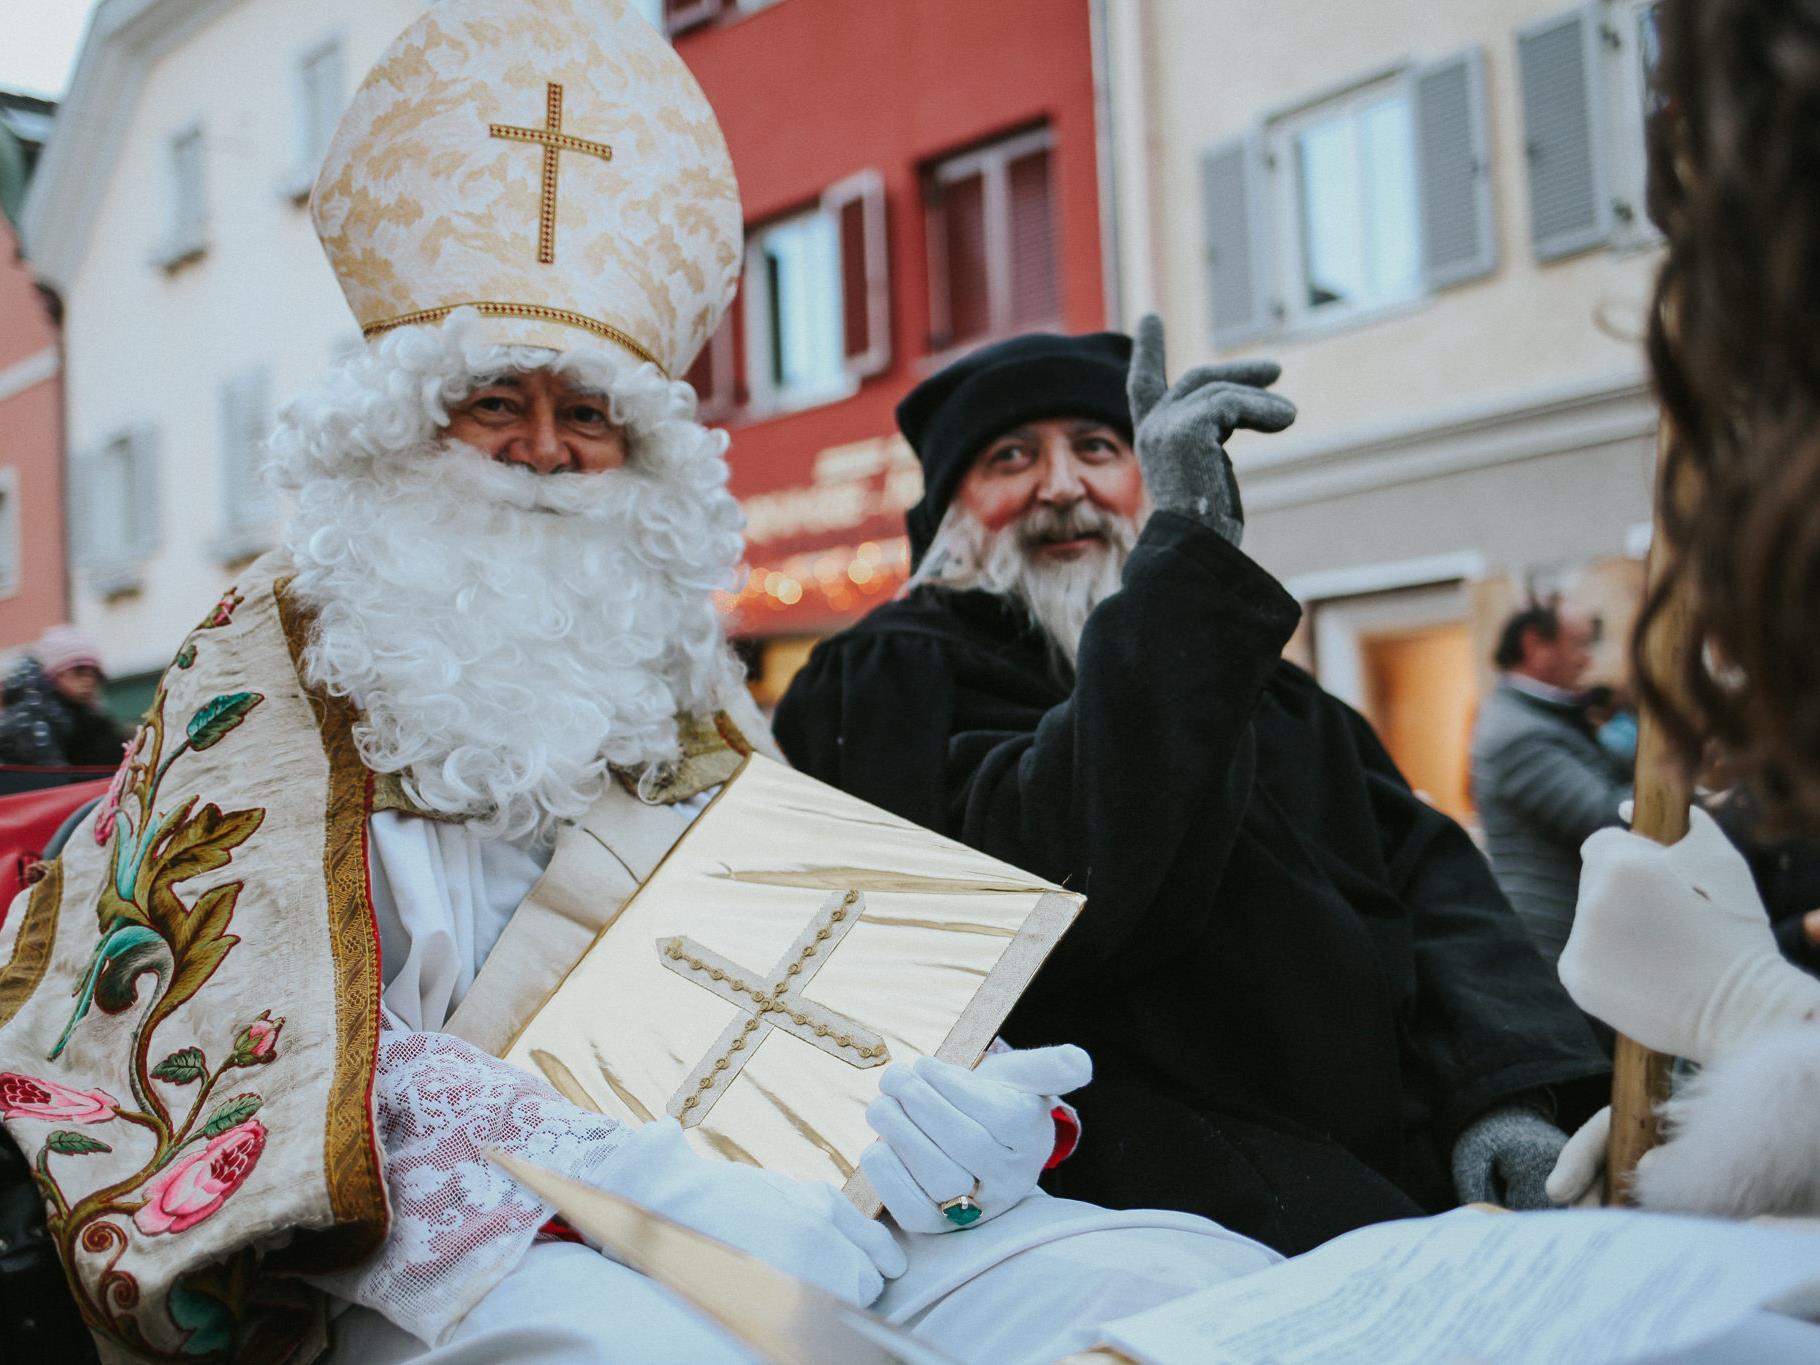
(794, 942)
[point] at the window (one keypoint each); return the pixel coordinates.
(186, 209)
(794, 308)
(816, 301)
(11, 555)
(1350, 176)
(1352, 204)
(247, 507)
(320, 91)
(114, 495)
(992, 242)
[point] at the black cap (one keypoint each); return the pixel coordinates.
(950, 417)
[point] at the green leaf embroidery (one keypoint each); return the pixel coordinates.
(182, 1067)
(231, 1115)
(212, 723)
(75, 1144)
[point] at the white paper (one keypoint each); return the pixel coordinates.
(1587, 1287)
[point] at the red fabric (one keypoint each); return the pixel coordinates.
(1067, 1135)
(558, 1231)
(27, 822)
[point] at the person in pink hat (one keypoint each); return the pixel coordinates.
(53, 714)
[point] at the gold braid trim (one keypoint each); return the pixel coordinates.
(351, 1162)
(32, 949)
(534, 311)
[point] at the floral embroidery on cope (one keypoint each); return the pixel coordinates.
(205, 1147)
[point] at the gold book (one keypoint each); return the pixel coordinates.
(793, 943)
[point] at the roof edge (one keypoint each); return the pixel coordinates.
(124, 38)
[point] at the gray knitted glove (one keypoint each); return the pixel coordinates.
(1504, 1157)
(1182, 430)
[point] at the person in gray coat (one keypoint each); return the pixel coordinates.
(1540, 778)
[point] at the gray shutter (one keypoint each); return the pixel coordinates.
(1239, 294)
(1453, 168)
(84, 469)
(245, 502)
(146, 525)
(1564, 133)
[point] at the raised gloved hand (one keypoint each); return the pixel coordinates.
(1578, 1179)
(1672, 946)
(949, 1132)
(807, 1230)
(1181, 430)
(1504, 1157)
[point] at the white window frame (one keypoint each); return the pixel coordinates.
(1343, 623)
(12, 548)
(310, 140)
(764, 398)
(1289, 282)
(1625, 93)
(993, 160)
(186, 226)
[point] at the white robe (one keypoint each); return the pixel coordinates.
(1030, 1284)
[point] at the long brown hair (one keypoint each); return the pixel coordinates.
(1734, 344)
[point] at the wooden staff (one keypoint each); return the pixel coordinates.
(1639, 1079)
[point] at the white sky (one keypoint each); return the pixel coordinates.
(38, 52)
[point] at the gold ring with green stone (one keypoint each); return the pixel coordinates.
(964, 1209)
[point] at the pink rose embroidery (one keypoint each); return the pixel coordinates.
(258, 1041)
(224, 610)
(28, 1097)
(192, 1188)
(110, 803)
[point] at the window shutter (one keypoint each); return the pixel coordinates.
(1239, 300)
(1564, 134)
(144, 524)
(84, 471)
(245, 411)
(1453, 169)
(1036, 294)
(965, 285)
(715, 373)
(857, 205)
(324, 83)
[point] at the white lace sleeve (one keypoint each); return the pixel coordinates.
(459, 1223)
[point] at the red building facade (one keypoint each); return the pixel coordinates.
(33, 586)
(918, 177)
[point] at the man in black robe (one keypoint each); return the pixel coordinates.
(1309, 1006)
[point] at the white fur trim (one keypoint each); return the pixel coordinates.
(1745, 1134)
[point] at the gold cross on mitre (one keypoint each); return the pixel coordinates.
(554, 143)
(770, 1000)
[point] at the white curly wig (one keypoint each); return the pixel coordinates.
(508, 636)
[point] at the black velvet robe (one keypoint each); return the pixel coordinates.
(1298, 981)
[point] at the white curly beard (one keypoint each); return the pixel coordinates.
(510, 636)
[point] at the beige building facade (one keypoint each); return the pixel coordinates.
(1432, 216)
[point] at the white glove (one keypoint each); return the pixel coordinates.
(1672, 946)
(949, 1131)
(1578, 1179)
(807, 1230)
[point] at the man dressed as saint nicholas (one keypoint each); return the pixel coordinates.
(250, 1021)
